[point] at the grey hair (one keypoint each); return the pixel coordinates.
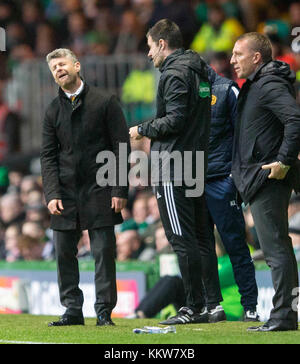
(61, 52)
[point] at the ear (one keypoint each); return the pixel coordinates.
(257, 58)
(163, 44)
(77, 66)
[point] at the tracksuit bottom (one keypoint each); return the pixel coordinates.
(103, 248)
(185, 224)
(229, 220)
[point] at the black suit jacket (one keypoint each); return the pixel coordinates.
(73, 135)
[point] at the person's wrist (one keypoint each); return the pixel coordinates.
(140, 129)
(283, 166)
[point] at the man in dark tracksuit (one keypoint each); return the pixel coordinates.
(80, 124)
(264, 168)
(181, 125)
(220, 192)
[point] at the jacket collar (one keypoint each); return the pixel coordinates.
(171, 58)
(256, 72)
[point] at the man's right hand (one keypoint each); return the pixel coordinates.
(55, 207)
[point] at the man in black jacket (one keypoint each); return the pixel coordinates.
(264, 168)
(181, 128)
(80, 124)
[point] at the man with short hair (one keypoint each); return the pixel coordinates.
(264, 168)
(79, 124)
(181, 124)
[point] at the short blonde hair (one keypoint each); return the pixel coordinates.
(61, 52)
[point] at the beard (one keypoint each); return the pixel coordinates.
(67, 81)
(158, 61)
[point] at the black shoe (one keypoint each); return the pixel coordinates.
(104, 320)
(68, 320)
(269, 326)
(187, 316)
(251, 316)
(216, 314)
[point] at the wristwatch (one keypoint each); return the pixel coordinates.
(140, 129)
(283, 166)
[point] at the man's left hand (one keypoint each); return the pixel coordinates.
(277, 172)
(133, 132)
(118, 203)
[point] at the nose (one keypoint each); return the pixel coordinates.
(232, 59)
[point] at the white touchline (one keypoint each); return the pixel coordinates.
(29, 342)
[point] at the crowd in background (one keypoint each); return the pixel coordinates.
(104, 27)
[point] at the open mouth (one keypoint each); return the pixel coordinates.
(62, 76)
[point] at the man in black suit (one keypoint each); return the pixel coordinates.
(265, 165)
(80, 124)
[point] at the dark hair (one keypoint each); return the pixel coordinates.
(167, 30)
(259, 43)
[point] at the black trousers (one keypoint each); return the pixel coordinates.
(185, 224)
(269, 208)
(103, 248)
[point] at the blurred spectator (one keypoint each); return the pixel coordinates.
(28, 184)
(282, 53)
(32, 15)
(294, 205)
(15, 178)
(34, 230)
(131, 37)
(46, 40)
(220, 62)
(12, 251)
(218, 34)
(20, 53)
(143, 10)
(153, 222)
(179, 11)
(84, 247)
(8, 12)
(139, 215)
(4, 180)
(78, 29)
(10, 125)
(91, 8)
(161, 242)
(274, 24)
(130, 246)
(38, 213)
(32, 249)
(11, 210)
(15, 35)
(294, 232)
(128, 243)
(251, 235)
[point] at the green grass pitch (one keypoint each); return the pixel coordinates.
(29, 329)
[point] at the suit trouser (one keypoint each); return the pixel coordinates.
(103, 248)
(185, 224)
(269, 208)
(229, 220)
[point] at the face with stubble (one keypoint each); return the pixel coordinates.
(155, 52)
(244, 59)
(65, 72)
